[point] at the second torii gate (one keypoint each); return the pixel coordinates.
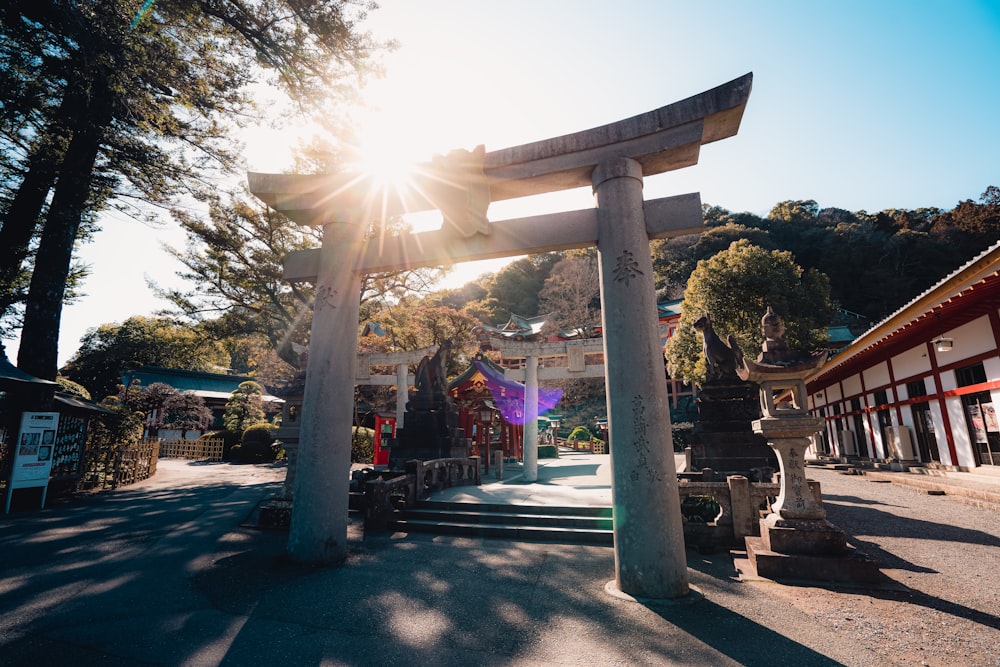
(613, 159)
(402, 379)
(577, 367)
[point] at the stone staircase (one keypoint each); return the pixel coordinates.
(532, 523)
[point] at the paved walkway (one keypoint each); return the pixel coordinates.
(573, 479)
(585, 479)
(166, 572)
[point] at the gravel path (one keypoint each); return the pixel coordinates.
(161, 574)
(940, 604)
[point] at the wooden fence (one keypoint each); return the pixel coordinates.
(119, 465)
(206, 449)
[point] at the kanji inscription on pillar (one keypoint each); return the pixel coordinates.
(627, 268)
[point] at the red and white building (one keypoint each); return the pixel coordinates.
(924, 384)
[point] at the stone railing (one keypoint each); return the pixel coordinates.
(382, 497)
(718, 515)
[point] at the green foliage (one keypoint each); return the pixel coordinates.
(580, 433)
(107, 351)
(234, 257)
(244, 407)
(734, 288)
(516, 287)
(257, 445)
(680, 433)
(105, 107)
(412, 325)
(71, 388)
(123, 428)
(362, 445)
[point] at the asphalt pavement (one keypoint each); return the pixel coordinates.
(171, 572)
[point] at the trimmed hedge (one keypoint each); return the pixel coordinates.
(257, 444)
(547, 452)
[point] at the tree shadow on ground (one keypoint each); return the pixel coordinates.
(868, 520)
(854, 500)
(738, 637)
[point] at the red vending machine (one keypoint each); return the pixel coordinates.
(385, 431)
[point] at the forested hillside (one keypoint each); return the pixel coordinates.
(876, 262)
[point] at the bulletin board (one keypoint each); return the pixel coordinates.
(33, 453)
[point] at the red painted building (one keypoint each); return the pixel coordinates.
(924, 384)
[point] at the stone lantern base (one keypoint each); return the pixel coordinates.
(802, 536)
(805, 550)
(851, 567)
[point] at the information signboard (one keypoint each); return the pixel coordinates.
(33, 453)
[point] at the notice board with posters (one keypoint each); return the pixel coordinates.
(33, 453)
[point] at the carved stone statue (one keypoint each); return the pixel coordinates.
(721, 360)
(431, 428)
(775, 349)
(462, 191)
(430, 381)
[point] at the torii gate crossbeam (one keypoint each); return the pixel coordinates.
(613, 159)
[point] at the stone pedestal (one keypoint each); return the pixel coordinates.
(850, 566)
(723, 440)
(429, 434)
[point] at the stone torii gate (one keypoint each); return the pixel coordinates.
(576, 367)
(402, 379)
(649, 542)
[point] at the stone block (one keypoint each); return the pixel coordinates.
(802, 536)
(851, 566)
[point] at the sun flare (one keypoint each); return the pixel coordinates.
(382, 161)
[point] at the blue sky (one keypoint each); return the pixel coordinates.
(858, 105)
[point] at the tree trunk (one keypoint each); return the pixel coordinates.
(20, 221)
(25, 210)
(39, 349)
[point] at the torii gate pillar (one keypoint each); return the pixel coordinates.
(649, 562)
(318, 530)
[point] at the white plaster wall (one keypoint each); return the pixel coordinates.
(833, 393)
(910, 363)
(948, 381)
(939, 434)
(852, 385)
(992, 367)
(971, 339)
(877, 375)
(960, 432)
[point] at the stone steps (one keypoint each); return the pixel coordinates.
(535, 523)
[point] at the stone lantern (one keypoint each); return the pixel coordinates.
(796, 540)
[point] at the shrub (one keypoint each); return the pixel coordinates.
(681, 434)
(257, 444)
(580, 433)
(547, 452)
